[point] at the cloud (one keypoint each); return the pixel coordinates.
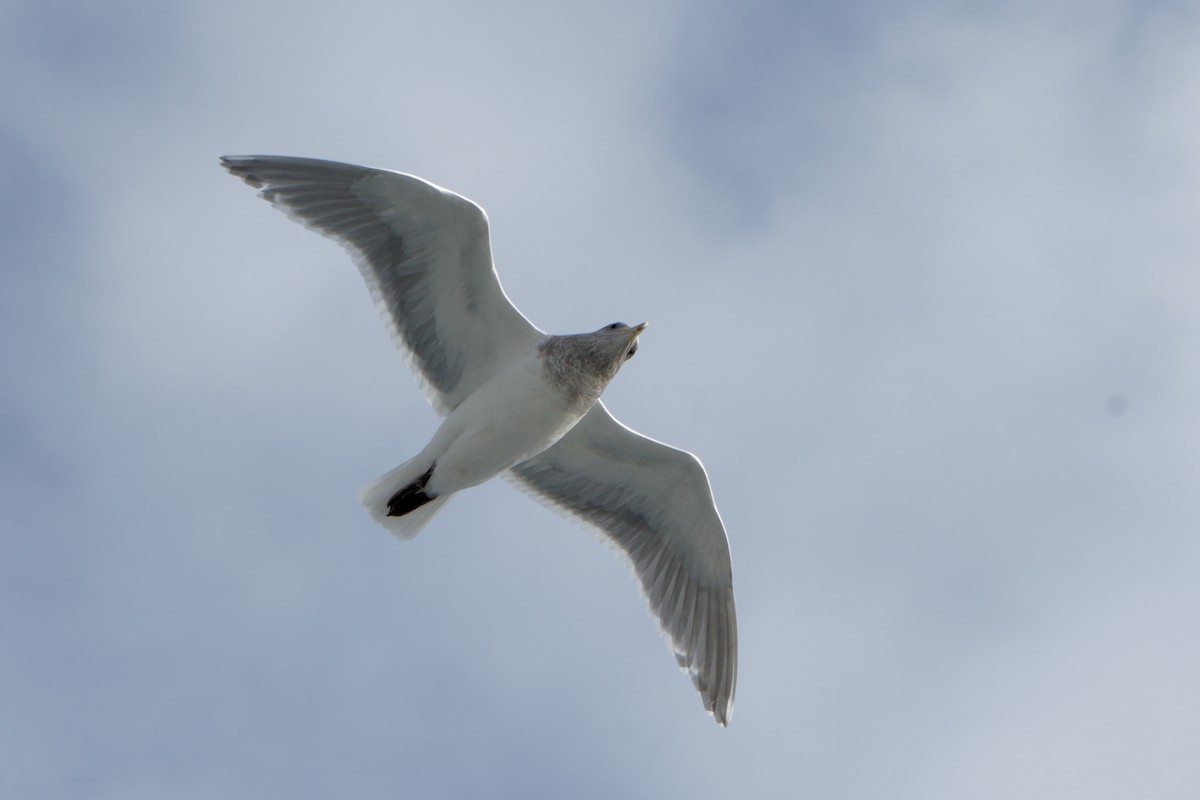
(896, 263)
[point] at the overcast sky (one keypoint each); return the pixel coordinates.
(923, 291)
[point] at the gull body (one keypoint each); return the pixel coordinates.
(510, 418)
(518, 402)
(515, 415)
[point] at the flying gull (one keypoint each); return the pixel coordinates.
(518, 402)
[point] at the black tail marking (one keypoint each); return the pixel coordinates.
(411, 497)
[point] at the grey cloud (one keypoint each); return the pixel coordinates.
(892, 346)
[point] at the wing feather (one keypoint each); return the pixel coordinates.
(425, 255)
(654, 504)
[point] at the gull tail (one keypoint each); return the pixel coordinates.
(398, 500)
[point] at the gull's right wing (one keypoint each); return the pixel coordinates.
(425, 255)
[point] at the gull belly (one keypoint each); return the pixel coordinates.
(514, 416)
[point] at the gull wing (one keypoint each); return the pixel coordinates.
(654, 503)
(425, 255)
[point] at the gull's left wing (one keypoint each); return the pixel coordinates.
(654, 503)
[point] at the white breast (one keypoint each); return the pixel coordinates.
(515, 415)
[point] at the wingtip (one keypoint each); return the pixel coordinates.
(240, 166)
(722, 712)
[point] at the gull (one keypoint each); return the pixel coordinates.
(518, 402)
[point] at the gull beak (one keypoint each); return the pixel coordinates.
(631, 343)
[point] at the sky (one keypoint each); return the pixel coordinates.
(922, 288)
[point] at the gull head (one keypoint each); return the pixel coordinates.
(581, 365)
(623, 339)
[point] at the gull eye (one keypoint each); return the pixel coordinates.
(632, 350)
(613, 327)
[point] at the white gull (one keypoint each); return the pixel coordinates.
(518, 402)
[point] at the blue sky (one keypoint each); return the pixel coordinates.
(922, 288)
